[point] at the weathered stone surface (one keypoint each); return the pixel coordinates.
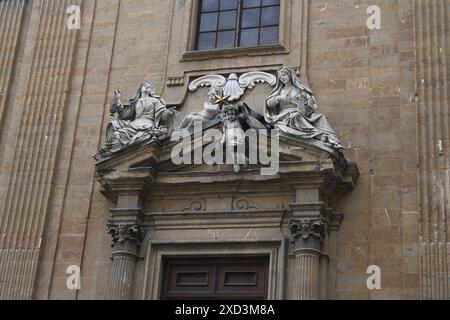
(385, 92)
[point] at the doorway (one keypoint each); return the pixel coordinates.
(224, 278)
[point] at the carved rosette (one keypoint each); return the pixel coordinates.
(126, 238)
(308, 233)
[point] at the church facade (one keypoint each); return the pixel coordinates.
(274, 149)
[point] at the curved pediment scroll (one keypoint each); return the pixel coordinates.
(234, 87)
(214, 80)
(250, 79)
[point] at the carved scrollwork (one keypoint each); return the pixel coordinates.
(308, 228)
(214, 80)
(196, 206)
(250, 79)
(243, 204)
(125, 235)
(234, 87)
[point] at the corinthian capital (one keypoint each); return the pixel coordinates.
(125, 236)
(306, 229)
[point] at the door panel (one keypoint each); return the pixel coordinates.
(216, 278)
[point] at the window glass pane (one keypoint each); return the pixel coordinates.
(252, 3)
(249, 37)
(208, 22)
(250, 18)
(227, 20)
(225, 39)
(228, 4)
(206, 41)
(270, 16)
(269, 35)
(210, 5)
(270, 2)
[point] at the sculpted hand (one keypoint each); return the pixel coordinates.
(170, 112)
(117, 102)
(117, 97)
(285, 100)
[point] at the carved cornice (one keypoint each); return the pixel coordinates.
(128, 184)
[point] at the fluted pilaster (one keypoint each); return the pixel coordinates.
(125, 243)
(308, 235)
(433, 89)
(120, 286)
(30, 156)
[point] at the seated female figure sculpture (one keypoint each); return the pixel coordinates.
(210, 110)
(291, 107)
(145, 117)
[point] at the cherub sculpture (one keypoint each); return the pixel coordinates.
(210, 111)
(234, 136)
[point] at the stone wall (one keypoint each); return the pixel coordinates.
(365, 83)
(384, 91)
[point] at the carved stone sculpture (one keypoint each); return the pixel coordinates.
(234, 87)
(234, 137)
(291, 107)
(250, 79)
(210, 110)
(125, 236)
(307, 228)
(145, 117)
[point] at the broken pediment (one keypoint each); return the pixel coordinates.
(289, 107)
(153, 164)
(285, 143)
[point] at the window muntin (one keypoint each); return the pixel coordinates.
(237, 23)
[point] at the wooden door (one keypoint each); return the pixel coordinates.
(231, 278)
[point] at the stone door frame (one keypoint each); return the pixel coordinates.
(157, 251)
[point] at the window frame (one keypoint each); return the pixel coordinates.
(238, 26)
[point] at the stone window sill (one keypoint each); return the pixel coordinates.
(233, 52)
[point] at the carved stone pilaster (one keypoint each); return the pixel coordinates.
(307, 235)
(126, 239)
